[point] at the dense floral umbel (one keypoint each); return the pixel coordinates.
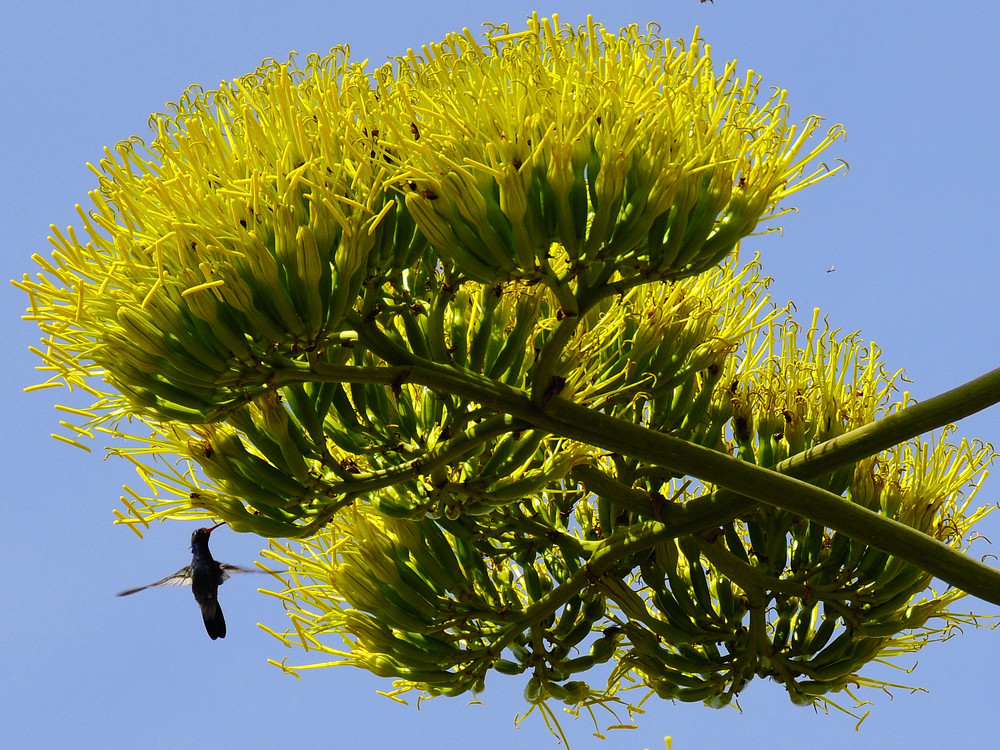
(472, 328)
(282, 472)
(694, 618)
(626, 150)
(237, 239)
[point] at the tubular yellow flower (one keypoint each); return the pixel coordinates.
(240, 235)
(626, 149)
(239, 238)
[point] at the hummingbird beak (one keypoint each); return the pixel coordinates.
(220, 523)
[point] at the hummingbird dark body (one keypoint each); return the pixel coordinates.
(206, 577)
(205, 574)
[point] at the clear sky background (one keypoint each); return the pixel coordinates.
(912, 231)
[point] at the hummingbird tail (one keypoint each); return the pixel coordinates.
(215, 623)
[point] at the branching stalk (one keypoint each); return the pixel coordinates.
(570, 420)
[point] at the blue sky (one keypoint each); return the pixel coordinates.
(911, 230)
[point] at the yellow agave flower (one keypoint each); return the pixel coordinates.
(628, 151)
(239, 237)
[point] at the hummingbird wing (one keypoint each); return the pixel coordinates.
(227, 569)
(181, 578)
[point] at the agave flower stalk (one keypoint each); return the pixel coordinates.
(468, 338)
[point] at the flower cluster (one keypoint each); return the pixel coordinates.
(471, 330)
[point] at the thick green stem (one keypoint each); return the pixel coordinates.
(744, 480)
(634, 501)
(577, 422)
(781, 491)
(323, 372)
(456, 448)
(548, 359)
(724, 505)
(948, 407)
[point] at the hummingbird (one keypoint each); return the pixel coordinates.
(205, 574)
